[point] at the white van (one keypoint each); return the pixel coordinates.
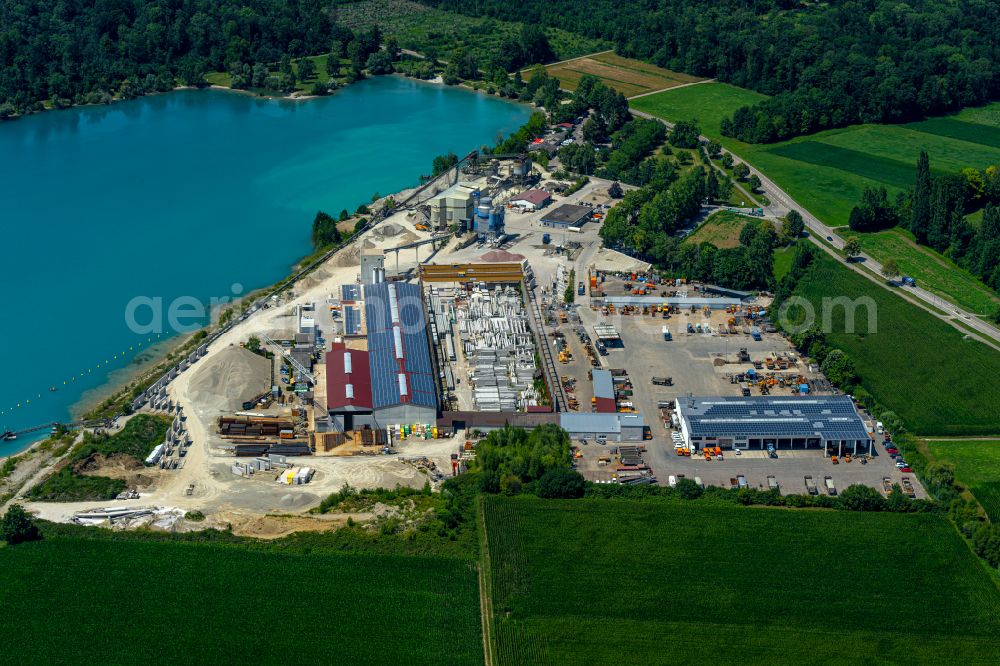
(672, 481)
(879, 428)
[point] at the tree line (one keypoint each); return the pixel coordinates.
(934, 211)
(824, 64)
(89, 51)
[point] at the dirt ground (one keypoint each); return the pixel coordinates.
(119, 466)
(277, 526)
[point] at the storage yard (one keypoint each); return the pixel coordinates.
(375, 369)
(495, 351)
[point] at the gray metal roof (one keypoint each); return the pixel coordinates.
(828, 417)
(631, 420)
(596, 423)
(604, 386)
(567, 214)
(350, 292)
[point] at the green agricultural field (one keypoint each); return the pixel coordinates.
(428, 30)
(721, 229)
(708, 102)
(826, 172)
(83, 601)
(931, 270)
(977, 466)
(936, 379)
(660, 582)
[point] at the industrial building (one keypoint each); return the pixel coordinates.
(604, 392)
(465, 205)
(612, 427)
(532, 199)
(828, 423)
(401, 385)
(567, 216)
(454, 205)
(372, 266)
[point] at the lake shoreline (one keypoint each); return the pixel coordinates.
(126, 379)
(294, 96)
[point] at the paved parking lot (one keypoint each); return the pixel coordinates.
(789, 468)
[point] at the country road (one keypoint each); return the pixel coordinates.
(781, 202)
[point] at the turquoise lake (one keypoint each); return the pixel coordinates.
(184, 195)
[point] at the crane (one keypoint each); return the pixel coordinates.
(284, 352)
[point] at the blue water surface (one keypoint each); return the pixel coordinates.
(185, 194)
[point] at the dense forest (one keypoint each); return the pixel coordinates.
(824, 64)
(87, 50)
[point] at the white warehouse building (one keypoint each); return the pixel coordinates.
(828, 423)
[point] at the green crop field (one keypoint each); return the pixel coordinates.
(888, 172)
(708, 102)
(977, 466)
(83, 601)
(625, 582)
(973, 132)
(937, 380)
(721, 229)
(931, 270)
(826, 172)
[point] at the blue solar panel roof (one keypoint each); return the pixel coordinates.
(829, 417)
(391, 307)
(352, 320)
(349, 292)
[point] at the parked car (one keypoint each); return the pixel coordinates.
(906, 470)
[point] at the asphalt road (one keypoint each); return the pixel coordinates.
(782, 202)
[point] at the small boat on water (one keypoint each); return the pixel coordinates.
(53, 389)
(9, 436)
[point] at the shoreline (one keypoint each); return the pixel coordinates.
(294, 96)
(123, 378)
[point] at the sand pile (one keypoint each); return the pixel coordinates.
(226, 380)
(501, 255)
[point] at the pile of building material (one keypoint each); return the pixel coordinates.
(497, 343)
(254, 427)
